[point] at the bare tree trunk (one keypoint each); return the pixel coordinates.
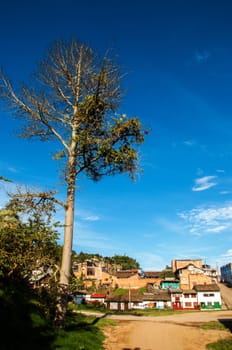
(67, 248)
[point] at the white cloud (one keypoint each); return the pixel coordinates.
(228, 254)
(12, 170)
(216, 229)
(202, 56)
(204, 183)
(91, 218)
(210, 220)
(86, 215)
(224, 258)
(189, 143)
(225, 192)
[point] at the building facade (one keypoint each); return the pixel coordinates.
(209, 296)
(226, 273)
(180, 264)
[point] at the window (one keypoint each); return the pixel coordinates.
(186, 295)
(188, 304)
(75, 268)
(90, 271)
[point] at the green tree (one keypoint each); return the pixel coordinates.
(126, 262)
(73, 101)
(27, 242)
(81, 257)
(167, 274)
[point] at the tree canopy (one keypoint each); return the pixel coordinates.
(126, 262)
(27, 242)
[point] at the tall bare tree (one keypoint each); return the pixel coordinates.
(73, 99)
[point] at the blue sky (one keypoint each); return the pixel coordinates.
(178, 55)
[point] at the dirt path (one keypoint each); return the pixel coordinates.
(226, 294)
(176, 332)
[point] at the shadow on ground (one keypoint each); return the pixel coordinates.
(227, 322)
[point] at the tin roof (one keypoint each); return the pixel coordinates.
(98, 295)
(151, 274)
(207, 287)
(125, 274)
(125, 298)
(161, 296)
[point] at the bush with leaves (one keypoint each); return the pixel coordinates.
(28, 243)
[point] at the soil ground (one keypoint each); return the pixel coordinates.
(176, 332)
(226, 294)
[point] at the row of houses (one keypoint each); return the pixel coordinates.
(193, 286)
(200, 297)
(188, 273)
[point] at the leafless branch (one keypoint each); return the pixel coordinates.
(45, 196)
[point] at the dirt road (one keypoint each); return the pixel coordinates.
(176, 332)
(226, 294)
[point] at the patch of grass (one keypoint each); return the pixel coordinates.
(224, 344)
(213, 325)
(155, 312)
(24, 325)
(95, 307)
(80, 333)
(120, 291)
(104, 322)
(142, 290)
(84, 338)
(22, 321)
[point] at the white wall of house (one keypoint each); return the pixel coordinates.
(209, 298)
(113, 305)
(184, 300)
(87, 297)
(189, 301)
(177, 298)
(138, 305)
(156, 304)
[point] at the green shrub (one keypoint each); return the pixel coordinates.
(224, 344)
(213, 325)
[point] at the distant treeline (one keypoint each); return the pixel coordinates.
(125, 261)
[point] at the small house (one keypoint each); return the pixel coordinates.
(158, 300)
(209, 296)
(96, 298)
(190, 301)
(184, 299)
(177, 301)
(170, 283)
(124, 302)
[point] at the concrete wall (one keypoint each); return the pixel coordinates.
(188, 279)
(180, 264)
